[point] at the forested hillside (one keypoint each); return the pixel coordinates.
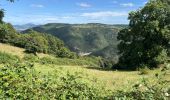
(85, 38)
(39, 63)
(34, 42)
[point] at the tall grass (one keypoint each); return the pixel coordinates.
(8, 58)
(66, 61)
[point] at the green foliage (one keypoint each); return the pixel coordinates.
(90, 37)
(109, 52)
(45, 43)
(30, 58)
(79, 86)
(21, 81)
(107, 63)
(1, 15)
(11, 0)
(7, 33)
(6, 58)
(144, 70)
(54, 44)
(64, 52)
(90, 62)
(147, 38)
(34, 42)
(144, 90)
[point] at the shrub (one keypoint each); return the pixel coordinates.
(31, 58)
(6, 58)
(158, 90)
(47, 60)
(80, 86)
(107, 63)
(21, 81)
(145, 92)
(144, 71)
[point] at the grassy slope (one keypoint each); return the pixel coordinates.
(112, 79)
(17, 51)
(12, 50)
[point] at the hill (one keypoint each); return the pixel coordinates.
(113, 80)
(84, 38)
(24, 27)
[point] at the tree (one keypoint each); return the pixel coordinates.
(35, 42)
(11, 0)
(1, 15)
(2, 12)
(146, 40)
(7, 33)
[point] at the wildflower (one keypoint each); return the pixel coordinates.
(166, 94)
(140, 85)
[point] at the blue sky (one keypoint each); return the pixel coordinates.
(69, 11)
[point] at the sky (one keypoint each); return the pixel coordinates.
(69, 11)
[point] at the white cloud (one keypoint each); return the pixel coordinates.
(145, 2)
(84, 5)
(37, 19)
(37, 5)
(104, 14)
(66, 17)
(127, 5)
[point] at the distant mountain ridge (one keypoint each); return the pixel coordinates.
(91, 37)
(24, 26)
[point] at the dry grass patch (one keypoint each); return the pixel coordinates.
(12, 50)
(18, 51)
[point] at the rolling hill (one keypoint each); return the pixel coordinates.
(84, 38)
(112, 80)
(24, 27)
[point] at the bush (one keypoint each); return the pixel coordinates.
(107, 63)
(6, 58)
(158, 90)
(31, 58)
(145, 92)
(80, 86)
(21, 81)
(144, 71)
(47, 60)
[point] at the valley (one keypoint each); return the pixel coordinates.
(112, 80)
(84, 50)
(99, 39)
